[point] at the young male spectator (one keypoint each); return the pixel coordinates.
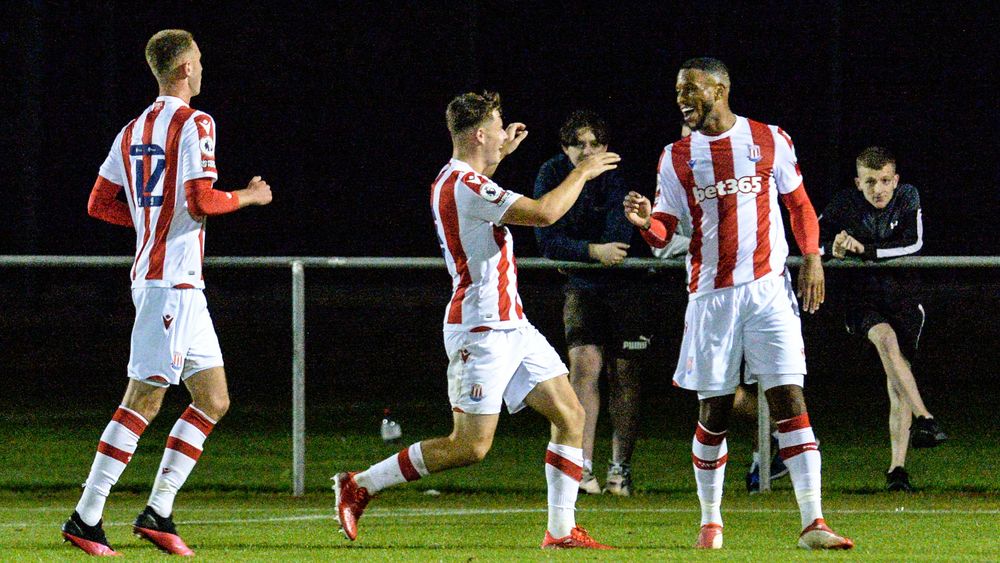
(881, 220)
(603, 334)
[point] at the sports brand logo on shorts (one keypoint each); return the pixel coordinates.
(641, 344)
(476, 393)
(167, 319)
(177, 361)
(754, 155)
(465, 355)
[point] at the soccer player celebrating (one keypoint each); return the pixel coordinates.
(495, 355)
(165, 161)
(881, 220)
(724, 181)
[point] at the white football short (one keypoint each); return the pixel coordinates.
(758, 321)
(173, 337)
(486, 369)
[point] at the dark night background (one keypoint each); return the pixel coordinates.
(340, 106)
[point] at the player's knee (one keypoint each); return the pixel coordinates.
(573, 416)
(148, 406)
(214, 406)
(474, 451)
(478, 451)
(146, 409)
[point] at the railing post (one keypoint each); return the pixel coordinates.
(298, 378)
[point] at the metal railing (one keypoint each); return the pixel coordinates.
(298, 265)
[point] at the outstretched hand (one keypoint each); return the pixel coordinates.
(638, 209)
(516, 132)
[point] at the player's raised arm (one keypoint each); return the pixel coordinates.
(549, 208)
(516, 132)
(656, 228)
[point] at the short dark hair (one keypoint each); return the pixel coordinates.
(875, 158)
(709, 65)
(583, 119)
(163, 49)
(470, 110)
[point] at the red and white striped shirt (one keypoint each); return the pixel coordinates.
(725, 189)
(468, 208)
(152, 157)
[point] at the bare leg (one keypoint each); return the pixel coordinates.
(209, 392)
(897, 368)
(584, 372)
(745, 407)
(623, 404)
(899, 426)
(470, 440)
(143, 398)
(554, 399)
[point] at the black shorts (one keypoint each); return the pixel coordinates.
(602, 318)
(905, 316)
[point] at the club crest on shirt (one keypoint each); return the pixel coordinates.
(754, 153)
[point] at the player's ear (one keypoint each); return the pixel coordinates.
(480, 135)
(720, 92)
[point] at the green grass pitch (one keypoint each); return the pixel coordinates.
(237, 504)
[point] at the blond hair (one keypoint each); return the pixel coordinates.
(164, 48)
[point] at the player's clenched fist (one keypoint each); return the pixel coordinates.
(257, 192)
(516, 132)
(593, 166)
(638, 209)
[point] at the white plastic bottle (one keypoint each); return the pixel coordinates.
(391, 431)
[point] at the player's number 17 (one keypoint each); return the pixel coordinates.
(143, 187)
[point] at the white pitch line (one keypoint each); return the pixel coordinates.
(425, 512)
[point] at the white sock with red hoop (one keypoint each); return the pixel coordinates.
(184, 447)
(563, 471)
(407, 465)
(798, 448)
(114, 451)
(709, 454)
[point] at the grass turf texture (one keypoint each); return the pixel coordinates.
(237, 505)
